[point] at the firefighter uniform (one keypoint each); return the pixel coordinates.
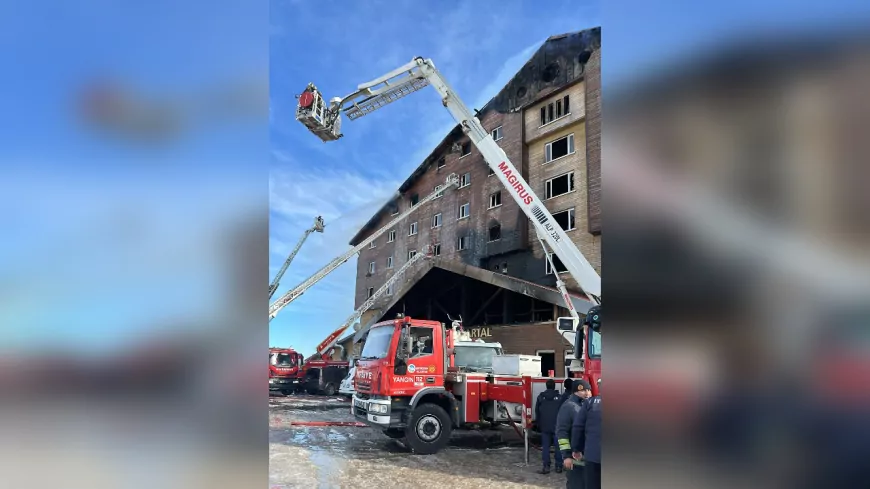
(564, 424)
(586, 439)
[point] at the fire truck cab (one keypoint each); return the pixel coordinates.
(284, 365)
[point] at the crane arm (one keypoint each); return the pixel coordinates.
(318, 227)
(292, 294)
(324, 347)
(419, 73)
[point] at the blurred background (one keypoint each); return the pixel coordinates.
(133, 260)
(736, 258)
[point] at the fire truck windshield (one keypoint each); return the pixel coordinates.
(594, 348)
(377, 344)
(283, 360)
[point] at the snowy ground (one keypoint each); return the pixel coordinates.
(328, 457)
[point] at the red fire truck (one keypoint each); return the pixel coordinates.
(409, 384)
(284, 368)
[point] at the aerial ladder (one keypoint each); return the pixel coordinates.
(318, 227)
(324, 120)
(331, 340)
(295, 292)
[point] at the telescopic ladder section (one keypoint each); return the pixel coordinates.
(292, 294)
(318, 227)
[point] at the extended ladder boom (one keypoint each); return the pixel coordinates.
(330, 340)
(410, 78)
(292, 294)
(318, 226)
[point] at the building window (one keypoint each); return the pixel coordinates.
(560, 185)
(496, 133)
(495, 199)
(371, 292)
(390, 289)
(372, 244)
(441, 193)
(495, 233)
(462, 243)
(394, 208)
(491, 172)
(466, 150)
(464, 210)
(371, 267)
(414, 199)
(392, 236)
(436, 220)
(465, 180)
(389, 262)
(559, 148)
(555, 110)
(411, 254)
(560, 267)
(436, 249)
(412, 230)
(565, 219)
(442, 162)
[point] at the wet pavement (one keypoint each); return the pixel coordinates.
(341, 456)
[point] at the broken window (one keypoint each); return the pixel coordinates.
(464, 211)
(412, 230)
(559, 148)
(495, 232)
(559, 185)
(371, 267)
(462, 243)
(442, 162)
(392, 236)
(466, 149)
(371, 292)
(465, 180)
(496, 133)
(389, 262)
(436, 249)
(394, 208)
(441, 193)
(495, 199)
(560, 267)
(555, 110)
(565, 219)
(414, 199)
(436, 220)
(411, 254)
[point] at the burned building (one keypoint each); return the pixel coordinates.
(488, 265)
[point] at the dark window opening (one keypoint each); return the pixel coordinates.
(560, 148)
(560, 185)
(495, 233)
(442, 162)
(543, 115)
(371, 292)
(550, 113)
(560, 267)
(521, 92)
(565, 219)
(414, 199)
(548, 363)
(436, 250)
(466, 149)
(550, 72)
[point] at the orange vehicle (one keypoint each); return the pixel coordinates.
(418, 380)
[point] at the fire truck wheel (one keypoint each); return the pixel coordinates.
(429, 429)
(394, 433)
(329, 390)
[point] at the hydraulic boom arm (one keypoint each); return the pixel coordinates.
(324, 347)
(295, 292)
(325, 123)
(318, 226)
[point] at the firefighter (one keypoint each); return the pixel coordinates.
(567, 391)
(546, 411)
(586, 439)
(580, 389)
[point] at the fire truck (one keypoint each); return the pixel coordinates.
(423, 397)
(284, 367)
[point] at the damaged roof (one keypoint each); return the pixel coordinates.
(522, 90)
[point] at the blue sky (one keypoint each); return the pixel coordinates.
(478, 46)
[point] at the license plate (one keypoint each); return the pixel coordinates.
(361, 404)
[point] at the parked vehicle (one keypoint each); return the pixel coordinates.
(324, 377)
(346, 388)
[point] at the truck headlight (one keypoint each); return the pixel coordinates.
(378, 408)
